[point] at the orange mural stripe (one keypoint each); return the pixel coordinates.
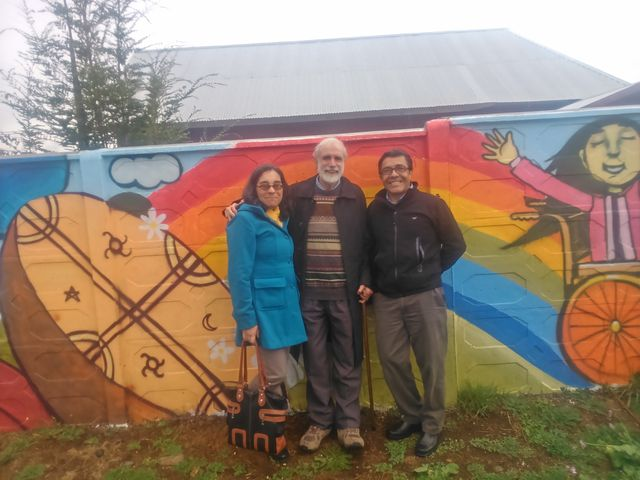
(506, 193)
(548, 250)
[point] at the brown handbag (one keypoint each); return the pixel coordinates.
(255, 419)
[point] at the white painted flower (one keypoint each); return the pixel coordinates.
(253, 361)
(220, 350)
(152, 223)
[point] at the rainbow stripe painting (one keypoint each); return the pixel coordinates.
(113, 269)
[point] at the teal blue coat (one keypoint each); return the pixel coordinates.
(263, 284)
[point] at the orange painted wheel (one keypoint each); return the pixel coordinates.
(599, 328)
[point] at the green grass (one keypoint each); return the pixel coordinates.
(437, 471)
(479, 400)
(545, 424)
(332, 459)
(130, 473)
(168, 446)
(478, 472)
(133, 445)
(31, 472)
(450, 445)
(396, 451)
(12, 450)
(508, 446)
(621, 446)
(92, 441)
(239, 470)
(199, 469)
(65, 433)
(585, 400)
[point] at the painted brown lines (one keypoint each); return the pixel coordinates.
(72, 293)
(206, 323)
(152, 364)
(115, 246)
(138, 313)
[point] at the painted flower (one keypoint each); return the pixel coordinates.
(220, 350)
(152, 223)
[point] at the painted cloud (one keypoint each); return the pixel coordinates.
(145, 172)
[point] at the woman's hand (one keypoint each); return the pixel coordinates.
(500, 148)
(250, 335)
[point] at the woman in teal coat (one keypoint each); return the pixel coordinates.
(263, 284)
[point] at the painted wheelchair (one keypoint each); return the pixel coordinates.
(599, 322)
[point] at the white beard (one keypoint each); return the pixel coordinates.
(330, 178)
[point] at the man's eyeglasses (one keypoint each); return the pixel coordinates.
(265, 186)
(399, 169)
(328, 157)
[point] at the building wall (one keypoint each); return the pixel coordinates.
(114, 305)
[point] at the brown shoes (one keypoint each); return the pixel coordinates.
(350, 439)
(311, 440)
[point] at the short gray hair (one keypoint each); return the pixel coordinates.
(327, 141)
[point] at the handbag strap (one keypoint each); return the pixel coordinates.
(243, 375)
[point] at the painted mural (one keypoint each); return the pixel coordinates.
(552, 208)
(113, 265)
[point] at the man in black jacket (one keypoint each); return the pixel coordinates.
(328, 227)
(414, 239)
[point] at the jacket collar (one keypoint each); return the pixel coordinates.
(381, 196)
(259, 212)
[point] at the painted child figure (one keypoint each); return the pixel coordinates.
(596, 172)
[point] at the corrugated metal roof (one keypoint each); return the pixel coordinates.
(424, 70)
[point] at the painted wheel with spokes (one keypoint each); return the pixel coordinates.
(599, 328)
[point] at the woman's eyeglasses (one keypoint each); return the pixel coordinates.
(400, 169)
(265, 186)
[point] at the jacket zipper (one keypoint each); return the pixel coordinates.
(395, 244)
(419, 254)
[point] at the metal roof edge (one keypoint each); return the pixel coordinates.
(511, 117)
(322, 40)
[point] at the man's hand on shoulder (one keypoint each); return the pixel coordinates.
(232, 210)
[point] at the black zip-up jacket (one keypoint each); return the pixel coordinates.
(350, 209)
(412, 242)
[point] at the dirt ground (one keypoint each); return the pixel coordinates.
(90, 452)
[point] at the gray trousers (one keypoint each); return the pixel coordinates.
(418, 322)
(275, 369)
(333, 378)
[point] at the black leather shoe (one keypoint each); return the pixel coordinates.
(427, 444)
(403, 430)
(282, 456)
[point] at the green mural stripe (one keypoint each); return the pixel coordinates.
(515, 262)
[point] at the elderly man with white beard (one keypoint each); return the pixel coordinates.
(328, 227)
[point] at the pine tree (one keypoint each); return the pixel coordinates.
(78, 88)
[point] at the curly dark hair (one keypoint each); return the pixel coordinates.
(250, 193)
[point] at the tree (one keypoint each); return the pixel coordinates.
(77, 86)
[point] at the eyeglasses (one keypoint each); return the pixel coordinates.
(329, 157)
(265, 186)
(399, 169)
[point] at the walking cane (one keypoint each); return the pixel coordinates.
(365, 327)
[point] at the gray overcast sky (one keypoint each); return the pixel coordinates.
(602, 34)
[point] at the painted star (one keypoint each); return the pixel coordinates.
(71, 293)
